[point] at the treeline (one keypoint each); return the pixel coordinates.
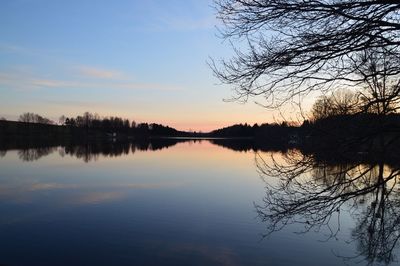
(34, 118)
(353, 134)
(335, 124)
(269, 136)
(94, 122)
(344, 120)
(249, 131)
(361, 132)
(87, 125)
(13, 130)
(117, 125)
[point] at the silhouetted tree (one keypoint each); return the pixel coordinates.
(341, 102)
(380, 73)
(26, 117)
(34, 118)
(70, 122)
(61, 120)
(295, 47)
(87, 119)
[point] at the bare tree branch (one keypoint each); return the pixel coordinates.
(294, 47)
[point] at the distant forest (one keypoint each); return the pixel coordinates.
(336, 121)
(327, 129)
(83, 126)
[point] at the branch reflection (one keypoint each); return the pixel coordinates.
(313, 192)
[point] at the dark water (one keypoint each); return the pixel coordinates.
(190, 203)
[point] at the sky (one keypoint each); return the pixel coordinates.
(141, 60)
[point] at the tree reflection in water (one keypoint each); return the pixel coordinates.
(87, 151)
(29, 155)
(303, 189)
(312, 189)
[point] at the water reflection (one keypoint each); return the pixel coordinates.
(249, 144)
(31, 150)
(354, 198)
(170, 207)
(87, 151)
(313, 192)
(28, 155)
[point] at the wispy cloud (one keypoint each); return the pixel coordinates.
(11, 48)
(50, 83)
(20, 81)
(166, 16)
(22, 50)
(50, 186)
(93, 72)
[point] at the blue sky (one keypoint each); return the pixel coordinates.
(142, 60)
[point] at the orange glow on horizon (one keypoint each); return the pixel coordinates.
(182, 118)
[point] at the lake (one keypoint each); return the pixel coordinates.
(187, 202)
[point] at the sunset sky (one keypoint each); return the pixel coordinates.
(142, 60)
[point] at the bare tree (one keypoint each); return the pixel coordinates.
(290, 48)
(27, 117)
(34, 118)
(61, 120)
(340, 102)
(380, 73)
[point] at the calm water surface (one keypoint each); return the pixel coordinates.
(193, 203)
